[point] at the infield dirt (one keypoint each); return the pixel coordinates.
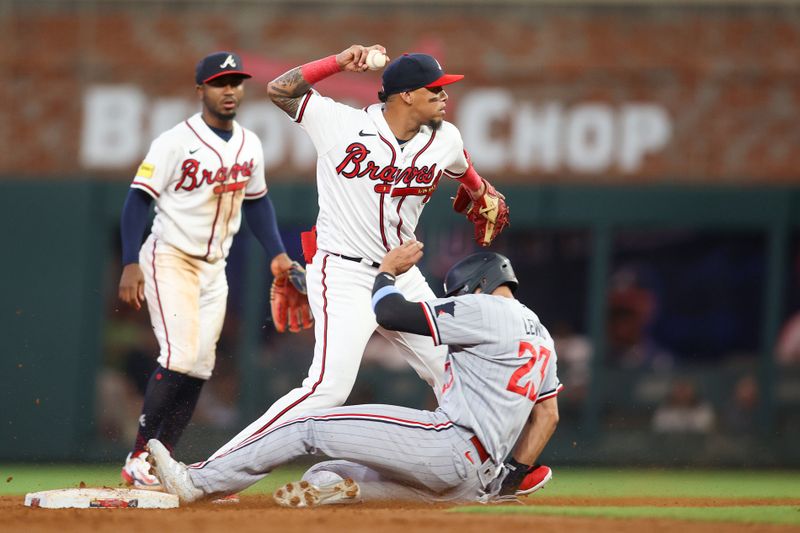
(260, 514)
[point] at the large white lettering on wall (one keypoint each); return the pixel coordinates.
(112, 126)
(501, 132)
(119, 124)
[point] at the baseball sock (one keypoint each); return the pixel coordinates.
(159, 401)
(178, 418)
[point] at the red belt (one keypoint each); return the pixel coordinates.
(482, 455)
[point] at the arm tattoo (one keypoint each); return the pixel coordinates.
(287, 89)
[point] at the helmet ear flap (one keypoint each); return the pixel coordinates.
(481, 284)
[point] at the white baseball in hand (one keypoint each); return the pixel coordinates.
(375, 59)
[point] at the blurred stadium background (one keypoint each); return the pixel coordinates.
(649, 150)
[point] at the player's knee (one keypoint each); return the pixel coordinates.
(320, 475)
(333, 471)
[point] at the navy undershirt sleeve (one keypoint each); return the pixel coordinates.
(132, 224)
(394, 312)
(261, 220)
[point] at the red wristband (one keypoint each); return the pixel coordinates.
(471, 179)
(320, 69)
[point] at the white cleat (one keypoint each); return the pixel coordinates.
(305, 494)
(138, 474)
(174, 476)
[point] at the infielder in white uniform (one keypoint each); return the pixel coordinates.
(199, 173)
(376, 169)
(501, 366)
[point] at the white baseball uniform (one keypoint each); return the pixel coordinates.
(198, 182)
(371, 194)
(501, 362)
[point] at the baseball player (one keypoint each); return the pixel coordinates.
(199, 174)
(376, 169)
(501, 365)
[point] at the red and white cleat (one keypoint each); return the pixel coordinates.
(536, 478)
(137, 473)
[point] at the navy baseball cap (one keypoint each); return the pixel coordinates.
(412, 71)
(219, 64)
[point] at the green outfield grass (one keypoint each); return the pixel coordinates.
(600, 482)
(662, 483)
(690, 483)
(18, 479)
(761, 514)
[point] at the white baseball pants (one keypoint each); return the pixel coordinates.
(340, 295)
(186, 298)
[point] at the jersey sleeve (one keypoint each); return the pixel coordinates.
(550, 386)
(322, 118)
(458, 167)
(257, 184)
(455, 321)
(158, 167)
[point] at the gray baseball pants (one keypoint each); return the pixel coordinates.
(393, 452)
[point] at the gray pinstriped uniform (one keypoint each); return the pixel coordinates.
(501, 361)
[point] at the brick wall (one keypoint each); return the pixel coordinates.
(727, 79)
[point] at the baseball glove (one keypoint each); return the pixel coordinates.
(489, 213)
(289, 301)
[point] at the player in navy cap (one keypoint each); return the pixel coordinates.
(219, 64)
(202, 175)
(414, 71)
(377, 169)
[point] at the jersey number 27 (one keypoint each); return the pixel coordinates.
(528, 389)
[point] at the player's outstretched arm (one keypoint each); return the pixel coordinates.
(392, 310)
(400, 259)
(287, 89)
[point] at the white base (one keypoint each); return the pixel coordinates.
(105, 498)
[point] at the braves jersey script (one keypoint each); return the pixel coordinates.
(199, 182)
(372, 191)
(501, 361)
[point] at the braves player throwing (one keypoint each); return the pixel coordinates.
(501, 364)
(376, 169)
(199, 173)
